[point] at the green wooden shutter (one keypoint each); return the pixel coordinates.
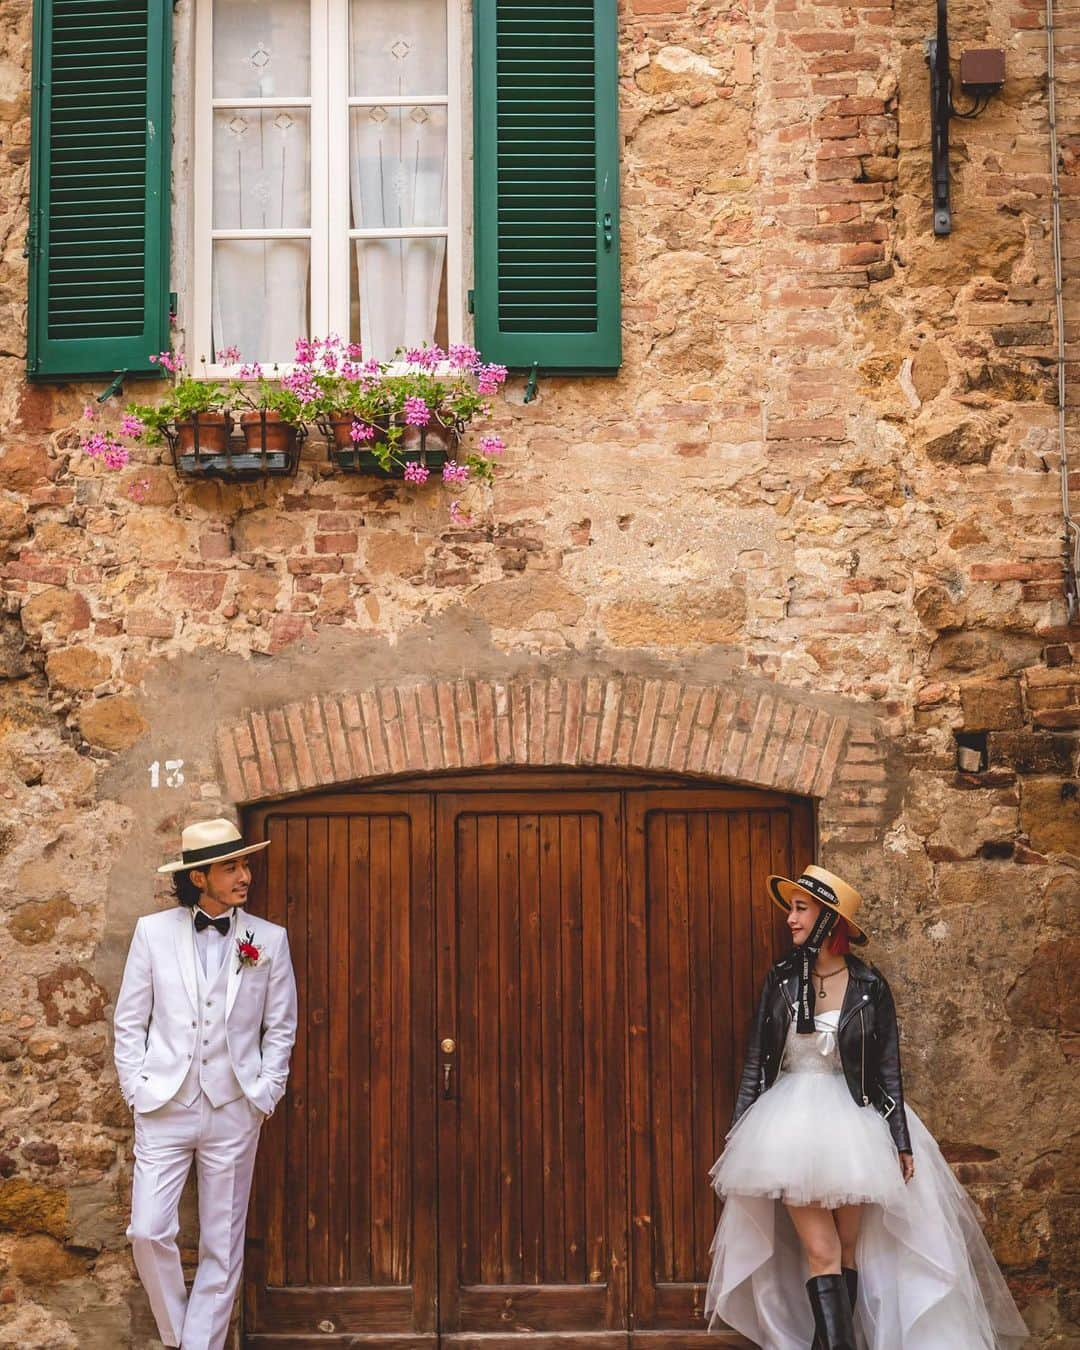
(98, 240)
(547, 173)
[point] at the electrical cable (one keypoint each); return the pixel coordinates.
(1071, 537)
(982, 102)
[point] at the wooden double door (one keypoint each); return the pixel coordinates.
(523, 1005)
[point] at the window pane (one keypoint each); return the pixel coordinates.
(398, 166)
(261, 168)
(262, 48)
(397, 48)
(398, 295)
(261, 296)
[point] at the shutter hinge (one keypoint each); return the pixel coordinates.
(530, 388)
(471, 301)
(30, 247)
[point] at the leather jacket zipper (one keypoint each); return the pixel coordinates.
(862, 1034)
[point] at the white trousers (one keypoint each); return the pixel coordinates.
(222, 1142)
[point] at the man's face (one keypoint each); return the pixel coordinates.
(224, 884)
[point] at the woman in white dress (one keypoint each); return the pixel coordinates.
(827, 1174)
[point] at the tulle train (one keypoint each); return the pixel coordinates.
(927, 1278)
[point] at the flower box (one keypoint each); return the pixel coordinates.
(205, 446)
(390, 450)
(402, 420)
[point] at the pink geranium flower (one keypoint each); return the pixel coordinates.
(130, 425)
(301, 383)
(417, 412)
(111, 453)
(453, 472)
(116, 456)
(170, 361)
(489, 378)
(362, 431)
(463, 356)
(492, 445)
(416, 473)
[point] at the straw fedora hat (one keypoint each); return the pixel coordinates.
(827, 889)
(211, 841)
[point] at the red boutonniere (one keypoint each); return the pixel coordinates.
(247, 954)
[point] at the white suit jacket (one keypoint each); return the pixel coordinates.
(158, 1007)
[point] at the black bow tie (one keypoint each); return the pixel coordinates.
(205, 921)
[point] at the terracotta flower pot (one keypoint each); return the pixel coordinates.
(270, 435)
(436, 443)
(340, 427)
(213, 433)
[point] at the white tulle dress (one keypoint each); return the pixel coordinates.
(927, 1278)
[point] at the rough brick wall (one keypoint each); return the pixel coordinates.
(809, 534)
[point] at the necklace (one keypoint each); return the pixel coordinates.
(822, 978)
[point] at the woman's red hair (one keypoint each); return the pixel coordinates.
(839, 940)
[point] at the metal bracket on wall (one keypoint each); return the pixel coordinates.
(982, 73)
(531, 386)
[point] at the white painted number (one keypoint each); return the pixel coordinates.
(173, 777)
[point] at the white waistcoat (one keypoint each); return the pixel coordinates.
(211, 1068)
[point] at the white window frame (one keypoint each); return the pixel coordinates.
(330, 232)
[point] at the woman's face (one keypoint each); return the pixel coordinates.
(802, 917)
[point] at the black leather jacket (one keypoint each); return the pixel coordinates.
(867, 1034)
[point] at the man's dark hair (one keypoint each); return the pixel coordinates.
(187, 893)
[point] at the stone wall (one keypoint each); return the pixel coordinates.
(823, 487)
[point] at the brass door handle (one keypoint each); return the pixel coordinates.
(447, 1046)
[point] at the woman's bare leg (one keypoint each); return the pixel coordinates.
(817, 1231)
(848, 1218)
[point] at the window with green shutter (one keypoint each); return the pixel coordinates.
(546, 201)
(98, 240)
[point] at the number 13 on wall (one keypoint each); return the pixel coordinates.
(173, 776)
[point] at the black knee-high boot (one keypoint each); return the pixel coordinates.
(851, 1279)
(832, 1312)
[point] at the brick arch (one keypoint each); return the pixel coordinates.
(762, 736)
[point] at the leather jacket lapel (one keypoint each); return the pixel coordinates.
(856, 996)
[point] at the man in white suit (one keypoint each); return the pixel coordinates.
(205, 1022)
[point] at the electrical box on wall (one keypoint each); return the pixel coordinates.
(982, 71)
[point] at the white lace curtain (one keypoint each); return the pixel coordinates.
(262, 176)
(262, 171)
(398, 167)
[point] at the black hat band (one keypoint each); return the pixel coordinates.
(818, 889)
(191, 856)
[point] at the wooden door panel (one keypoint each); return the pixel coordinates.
(342, 1235)
(570, 925)
(702, 934)
(532, 1135)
